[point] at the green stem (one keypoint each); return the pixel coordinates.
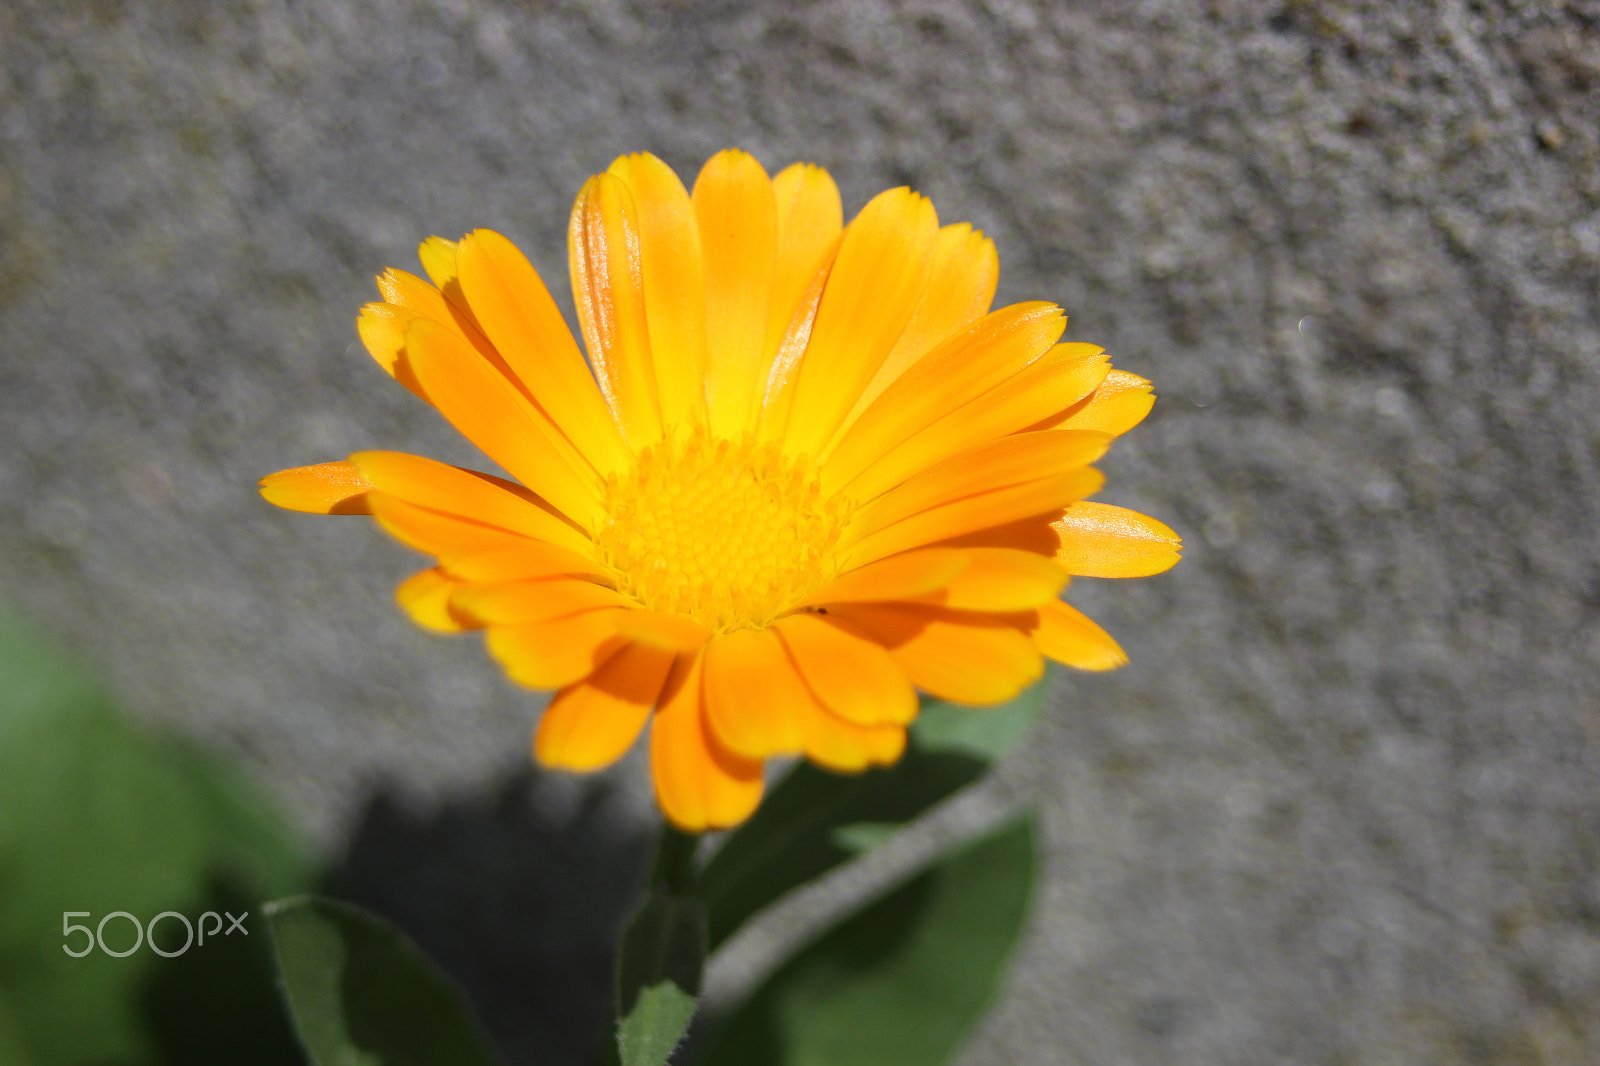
(662, 953)
(674, 869)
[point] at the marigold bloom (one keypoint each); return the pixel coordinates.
(803, 472)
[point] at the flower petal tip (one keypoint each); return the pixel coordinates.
(325, 488)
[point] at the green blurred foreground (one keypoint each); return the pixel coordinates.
(97, 817)
(103, 827)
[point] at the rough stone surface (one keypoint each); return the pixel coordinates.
(1342, 809)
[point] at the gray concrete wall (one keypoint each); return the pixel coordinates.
(1341, 809)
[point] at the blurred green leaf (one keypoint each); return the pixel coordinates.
(12, 1050)
(814, 821)
(983, 732)
(862, 837)
(662, 957)
(901, 981)
(99, 816)
(361, 993)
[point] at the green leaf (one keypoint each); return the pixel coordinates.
(12, 1050)
(813, 821)
(983, 732)
(97, 815)
(651, 1030)
(361, 993)
(791, 838)
(901, 981)
(662, 958)
(862, 837)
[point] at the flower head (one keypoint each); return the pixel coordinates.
(803, 472)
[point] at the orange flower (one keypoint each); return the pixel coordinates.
(816, 475)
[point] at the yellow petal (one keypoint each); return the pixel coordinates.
(669, 632)
(557, 653)
(738, 220)
(700, 784)
(848, 747)
(1099, 540)
(519, 560)
(673, 272)
(407, 291)
(1066, 635)
(760, 706)
(973, 361)
(1064, 374)
(810, 218)
(479, 497)
(489, 411)
(473, 551)
(516, 311)
(851, 674)
(871, 291)
(607, 285)
(755, 701)
(1010, 460)
(962, 280)
(426, 598)
(810, 232)
(409, 294)
(975, 512)
(444, 535)
(1001, 579)
(898, 577)
(382, 328)
(1032, 534)
(777, 396)
(593, 723)
(967, 658)
(438, 260)
(539, 600)
(326, 488)
(1119, 403)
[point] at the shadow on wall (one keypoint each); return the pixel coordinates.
(518, 900)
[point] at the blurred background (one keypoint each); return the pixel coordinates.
(1343, 806)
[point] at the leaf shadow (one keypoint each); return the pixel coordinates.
(521, 898)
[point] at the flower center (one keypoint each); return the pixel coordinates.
(729, 533)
